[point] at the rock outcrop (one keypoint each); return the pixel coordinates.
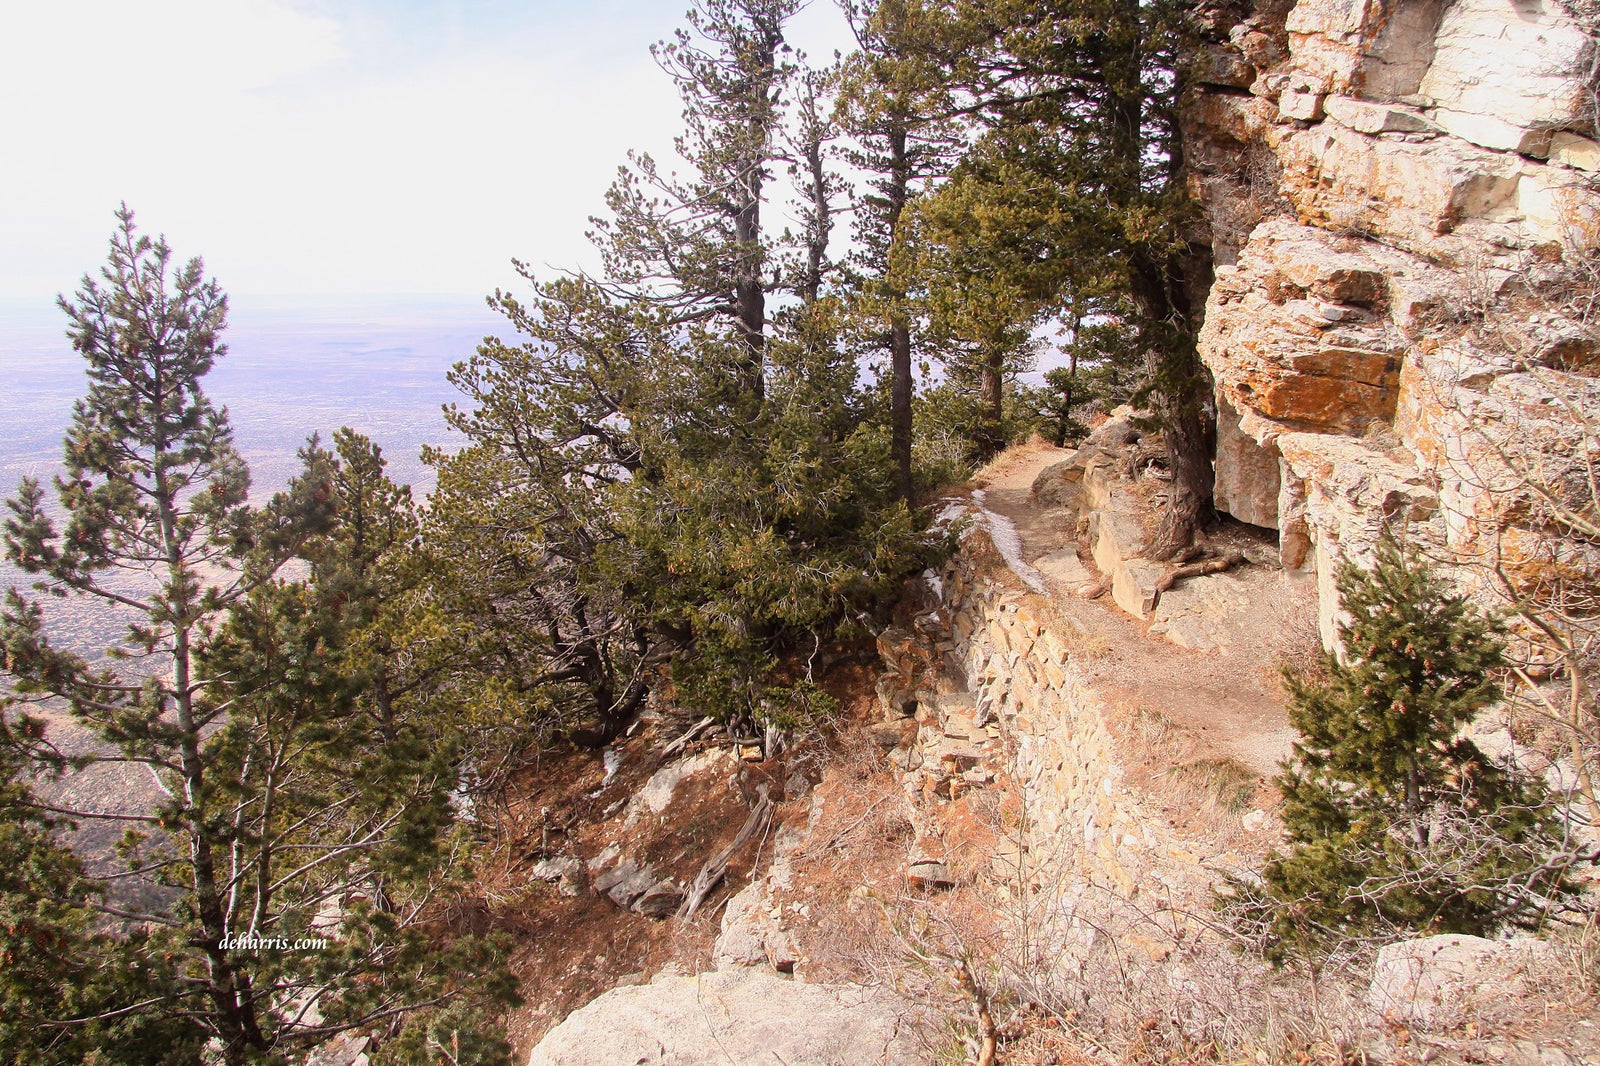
(1097, 485)
(1401, 201)
(734, 1016)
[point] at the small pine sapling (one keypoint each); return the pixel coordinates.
(1396, 823)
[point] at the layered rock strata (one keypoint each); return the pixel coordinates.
(1403, 201)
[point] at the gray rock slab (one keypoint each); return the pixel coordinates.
(626, 882)
(1065, 569)
(662, 901)
(735, 1016)
(1434, 980)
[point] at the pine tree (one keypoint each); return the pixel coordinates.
(1078, 186)
(673, 474)
(695, 246)
(1394, 820)
(281, 810)
(895, 103)
(57, 965)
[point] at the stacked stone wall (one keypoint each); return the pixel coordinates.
(1022, 668)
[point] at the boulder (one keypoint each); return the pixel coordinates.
(1433, 981)
(896, 698)
(564, 871)
(1553, 204)
(750, 935)
(1247, 475)
(891, 735)
(1570, 150)
(1313, 262)
(930, 875)
(346, 1049)
(662, 901)
(625, 883)
(1058, 484)
(902, 651)
(1367, 116)
(734, 1016)
(1488, 131)
(1118, 543)
(1300, 107)
(1345, 492)
(1221, 64)
(955, 703)
(1118, 431)
(1063, 484)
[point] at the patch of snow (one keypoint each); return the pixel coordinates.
(656, 795)
(954, 507)
(935, 582)
(1008, 542)
(461, 801)
(612, 759)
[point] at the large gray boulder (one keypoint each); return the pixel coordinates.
(1435, 980)
(742, 1016)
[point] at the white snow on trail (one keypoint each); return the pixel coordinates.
(954, 508)
(1008, 542)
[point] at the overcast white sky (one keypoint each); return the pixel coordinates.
(327, 146)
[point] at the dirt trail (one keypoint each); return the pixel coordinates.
(1230, 701)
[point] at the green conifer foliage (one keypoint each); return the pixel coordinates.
(294, 798)
(673, 474)
(895, 101)
(1395, 821)
(1076, 192)
(55, 964)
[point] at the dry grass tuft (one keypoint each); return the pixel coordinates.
(1300, 652)
(1221, 786)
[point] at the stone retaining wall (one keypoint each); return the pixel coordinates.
(1020, 666)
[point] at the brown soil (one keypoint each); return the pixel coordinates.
(572, 949)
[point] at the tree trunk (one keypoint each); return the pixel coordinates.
(991, 427)
(900, 427)
(749, 289)
(226, 987)
(900, 408)
(1162, 282)
(1181, 387)
(1189, 442)
(751, 299)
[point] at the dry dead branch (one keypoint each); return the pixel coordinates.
(716, 868)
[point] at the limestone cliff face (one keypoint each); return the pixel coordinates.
(1402, 196)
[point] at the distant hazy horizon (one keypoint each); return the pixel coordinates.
(326, 146)
(296, 365)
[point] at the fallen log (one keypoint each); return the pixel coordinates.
(716, 867)
(693, 731)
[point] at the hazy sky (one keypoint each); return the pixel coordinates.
(328, 146)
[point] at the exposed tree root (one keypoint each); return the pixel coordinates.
(1195, 569)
